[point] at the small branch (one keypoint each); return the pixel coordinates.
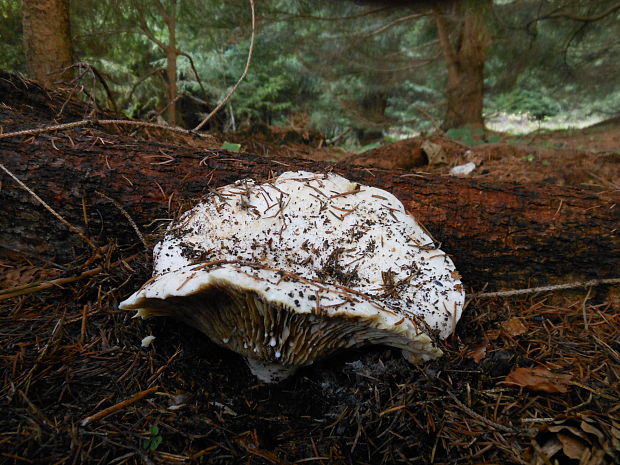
(102, 122)
(292, 16)
(587, 19)
(142, 79)
(191, 63)
(129, 218)
(584, 310)
(476, 415)
(387, 26)
(100, 78)
(116, 407)
(50, 209)
(245, 72)
(557, 287)
(147, 32)
(31, 288)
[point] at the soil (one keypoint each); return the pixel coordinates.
(532, 379)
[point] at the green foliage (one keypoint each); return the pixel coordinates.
(471, 136)
(536, 103)
(466, 135)
(231, 147)
(11, 57)
(342, 65)
(370, 146)
(152, 443)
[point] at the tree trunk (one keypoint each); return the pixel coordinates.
(465, 54)
(47, 40)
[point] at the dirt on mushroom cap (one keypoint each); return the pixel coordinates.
(313, 244)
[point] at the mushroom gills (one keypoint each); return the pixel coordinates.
(300, 266)
(274, 339)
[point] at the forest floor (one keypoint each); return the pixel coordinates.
(532, 379)
(577, 157)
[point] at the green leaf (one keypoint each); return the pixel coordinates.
(231, 147)
(155, 442)
(371, 146)
(154, 430)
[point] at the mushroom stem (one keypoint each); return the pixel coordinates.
(269, 372)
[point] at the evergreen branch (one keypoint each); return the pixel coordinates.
(289, 16)
(575, 17)
(245, 72)
(191, 63)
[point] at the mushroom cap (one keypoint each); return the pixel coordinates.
(296, 268)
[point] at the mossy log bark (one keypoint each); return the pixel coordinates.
(500, 235)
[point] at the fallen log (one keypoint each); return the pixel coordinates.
(500, 235)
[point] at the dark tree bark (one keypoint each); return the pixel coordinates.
(47, 40)
(464, 45)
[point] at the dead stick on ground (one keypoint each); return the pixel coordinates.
(42, 285)
(50, 209)
(584, 310)
(116, 407)
(557, 287)
(129, 218)
(100, 122)
(483, 419)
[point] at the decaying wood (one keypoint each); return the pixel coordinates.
(500, 235)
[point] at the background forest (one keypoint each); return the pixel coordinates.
(366, 71)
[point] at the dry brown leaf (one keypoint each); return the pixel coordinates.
(479, 352)
(21, 275)
(514, 327)
(539, 379)
(572, 447)
(492, 334)
(581, 439)
(551, 447)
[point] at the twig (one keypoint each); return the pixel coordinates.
(50, 209)
(583, 309)
(101, 122)
(42, 285)
(129, 218)
(97, 74)
(245, 72)
(557, 287)
(191, 63)
(483, 419)
(116, 407)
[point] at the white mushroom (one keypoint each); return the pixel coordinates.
(294, 269)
